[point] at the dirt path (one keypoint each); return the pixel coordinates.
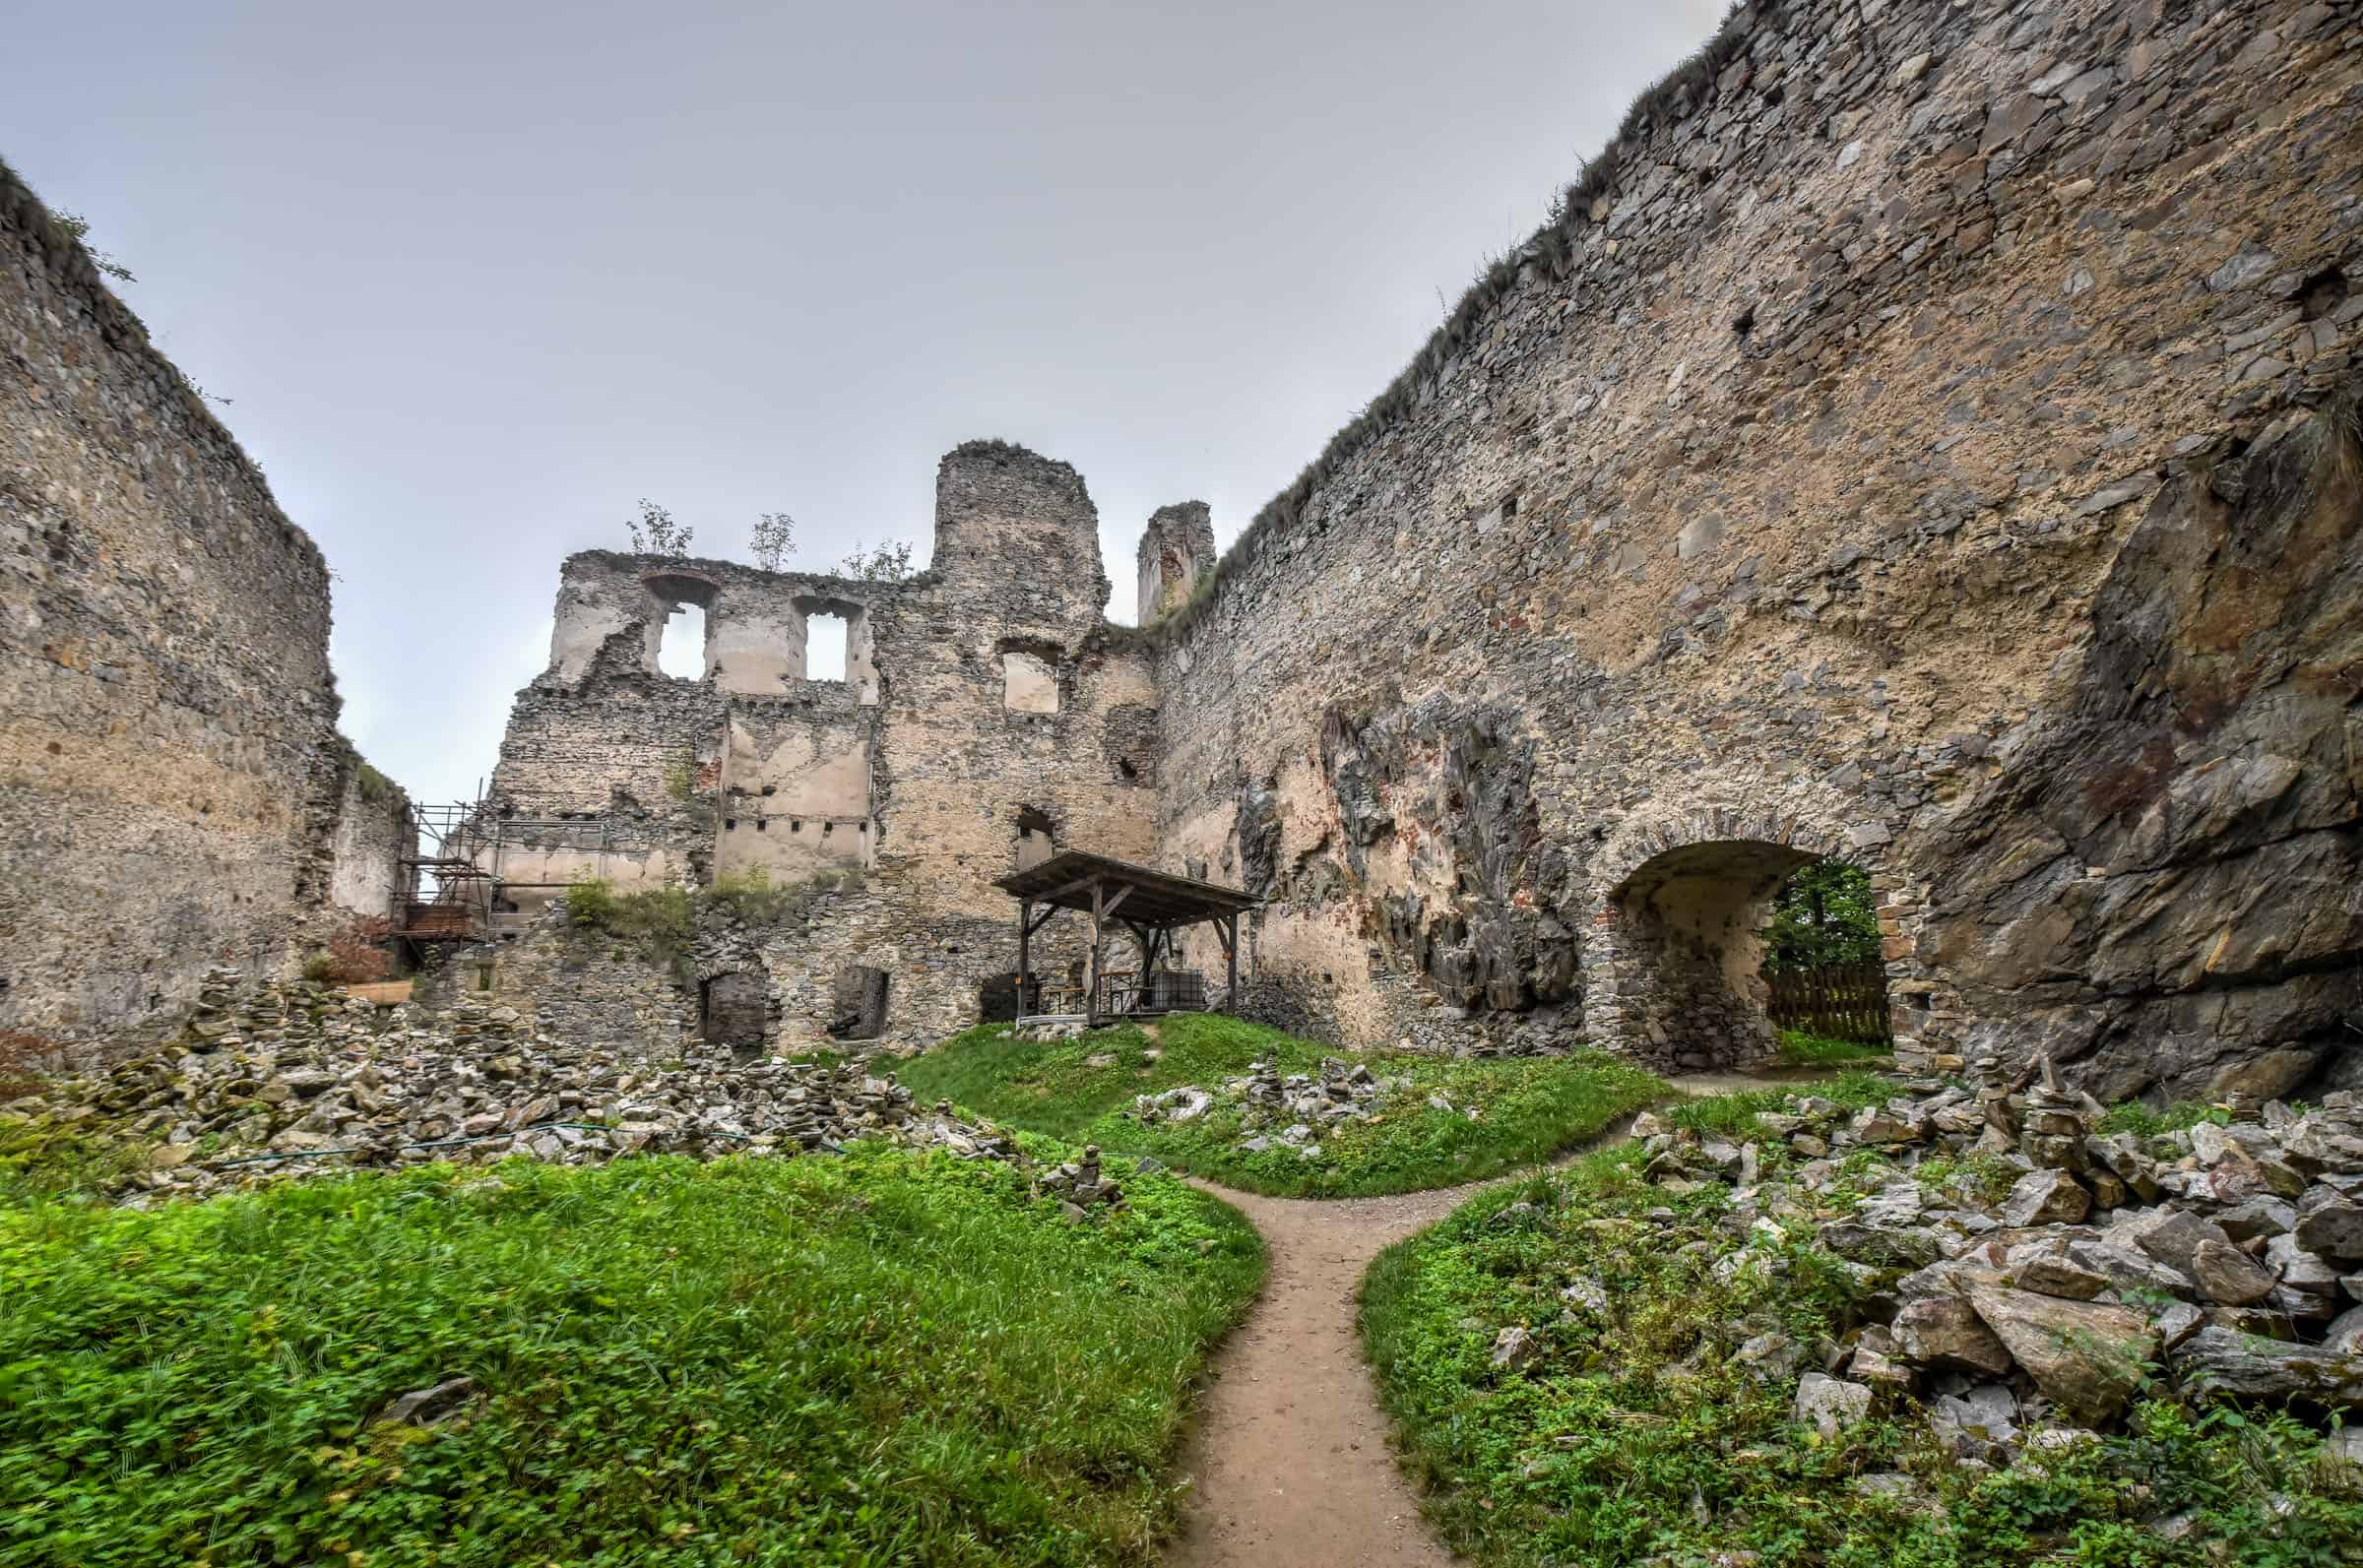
(1289, 1455)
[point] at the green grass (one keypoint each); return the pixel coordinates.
(883, 1359)
(2150, 1121)
(1641, 1436)
(1529, 1108)
(1804, 1048)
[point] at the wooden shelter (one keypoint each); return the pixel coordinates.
(1151, 905)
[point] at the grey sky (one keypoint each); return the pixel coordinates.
(477, 277)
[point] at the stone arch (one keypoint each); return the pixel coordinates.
(1675, 899)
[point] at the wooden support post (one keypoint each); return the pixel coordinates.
(1091, 965)
(1229, 931)
(1025, 934)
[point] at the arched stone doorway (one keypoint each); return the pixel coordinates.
(1673, 957)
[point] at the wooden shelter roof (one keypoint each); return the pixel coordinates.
(1158, 898)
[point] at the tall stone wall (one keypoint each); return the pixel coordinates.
(983, 698)
(170, 769)
(1927, 438)
(375, 832)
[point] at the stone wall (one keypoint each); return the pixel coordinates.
(170, 775)
(983, 698)
(374, 834)
(1176, 553)
(1926, 437)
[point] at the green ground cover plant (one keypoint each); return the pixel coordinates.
(885, 1359)
(1528, 1110)
(2147, 1120)
(1645, 1432)
(1802, 1048)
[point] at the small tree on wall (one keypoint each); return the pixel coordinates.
(1825, 914)
(773, 538)
(655, 533)
(889, 562)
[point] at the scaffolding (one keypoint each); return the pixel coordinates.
(457, 874)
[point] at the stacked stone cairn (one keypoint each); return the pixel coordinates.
(1277, 1112)
(296, 1078)
(2224, 1260)
(1080, 1187)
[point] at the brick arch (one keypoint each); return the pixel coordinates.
(1675, 895)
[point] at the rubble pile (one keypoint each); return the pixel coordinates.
(1283, 1111)
(298, 1077)
(1053, 1030)
(2224, 1259)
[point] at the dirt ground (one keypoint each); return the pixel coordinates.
(1289, 1455)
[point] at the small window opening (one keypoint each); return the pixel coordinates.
(824, 645)
(1034, 841)
(682, 653)
(1029, 683)
(762, 824)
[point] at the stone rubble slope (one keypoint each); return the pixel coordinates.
(2226, 1260)
(1286, 1111)
(296, 1078)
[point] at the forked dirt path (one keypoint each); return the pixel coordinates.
(1289, 1455)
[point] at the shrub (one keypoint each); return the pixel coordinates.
(357, 953)
(751, 896)
(591, 903)
(20, 1054)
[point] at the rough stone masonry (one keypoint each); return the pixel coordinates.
(1929, 439)
(174, 790)
(1926, 437)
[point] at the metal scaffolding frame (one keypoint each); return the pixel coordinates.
(455, 878)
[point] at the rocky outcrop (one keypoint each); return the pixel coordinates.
(2160, 892)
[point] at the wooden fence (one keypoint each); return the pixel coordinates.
(1843, 1001)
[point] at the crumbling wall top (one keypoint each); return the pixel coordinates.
(1021, 527)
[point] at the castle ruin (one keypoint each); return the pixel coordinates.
(1926, 438)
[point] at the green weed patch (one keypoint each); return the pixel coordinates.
(883, 1359)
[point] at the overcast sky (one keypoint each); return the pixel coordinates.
(476, 277)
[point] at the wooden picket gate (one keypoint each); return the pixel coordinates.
(1841, 1001)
